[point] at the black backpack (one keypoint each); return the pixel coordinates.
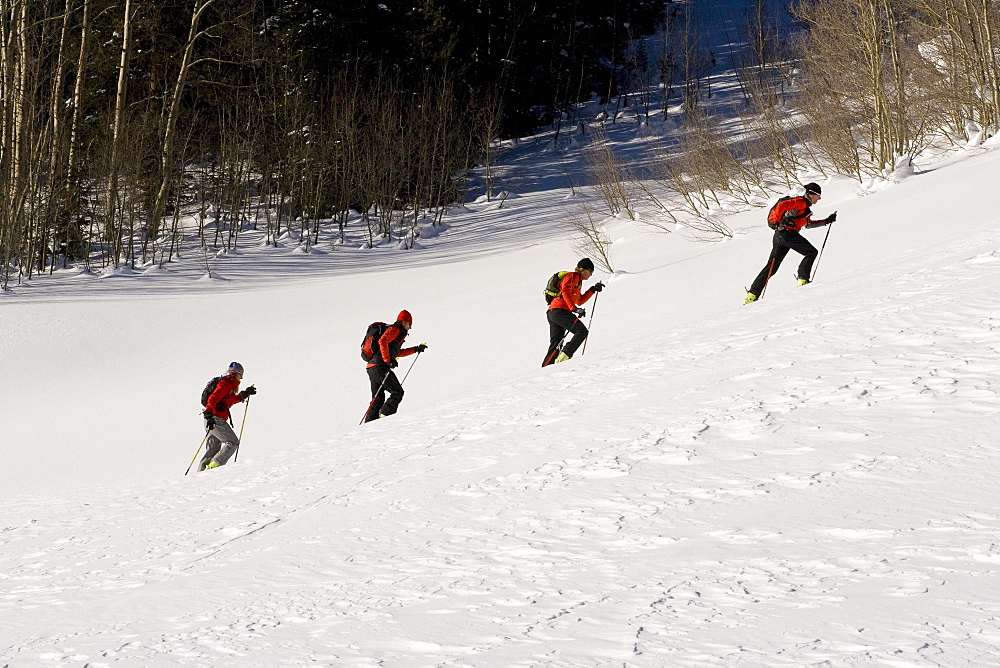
(552, 287)
(207, 392)
(369, 345)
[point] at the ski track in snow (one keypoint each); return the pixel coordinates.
(394, 552)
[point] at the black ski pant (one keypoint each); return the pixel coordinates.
(784, 241)
(383, 380)
(560, 322)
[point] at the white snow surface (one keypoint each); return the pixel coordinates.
(808, 480)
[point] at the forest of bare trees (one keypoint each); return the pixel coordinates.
(853, 87)
(885, 78)
(118, 118)
(115, 119)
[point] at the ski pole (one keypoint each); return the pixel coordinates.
(822, 248)
(767, 280)
(196, 453)
(413, 364)
(242, 424)
(593, 309)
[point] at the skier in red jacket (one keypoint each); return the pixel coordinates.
(380, 372)
(564, 313)
(795, 214)
(222, 440)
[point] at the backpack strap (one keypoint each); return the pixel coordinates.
(553, 287)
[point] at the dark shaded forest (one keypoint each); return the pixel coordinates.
(118, 114)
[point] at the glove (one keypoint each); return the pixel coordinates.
(209, 420)
(597, 287)
(580, 312)
(421, 348)
(393, 364)
(249, 392)
(831, 218)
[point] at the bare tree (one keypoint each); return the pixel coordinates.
(961, 38)
(590, 237)
(859, 65)
(169, 136)
(16, 62)
(612, 176)
(695, 57)
(487, 114)
(112, 234)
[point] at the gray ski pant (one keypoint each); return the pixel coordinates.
(222, 444)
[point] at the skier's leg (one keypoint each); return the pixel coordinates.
(557, 330)
(395, 390)
(230, 441)
(778, 252)
(800, 244)
(212, 446)
(579, 332)
(376, 374)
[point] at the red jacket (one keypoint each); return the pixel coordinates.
(802, 216)
(390, 345)
(569, 293)
(224, 396)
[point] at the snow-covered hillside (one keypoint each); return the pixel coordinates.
(808, 479)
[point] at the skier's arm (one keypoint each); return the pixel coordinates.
(234, 397)
(413, 349)
(570, 290)
(391, 334)
(223, 397)
(820, 223)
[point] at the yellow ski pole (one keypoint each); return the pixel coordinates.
(196, 453)
(242, 424)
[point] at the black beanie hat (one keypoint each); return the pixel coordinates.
(814, 189)
(585, 263)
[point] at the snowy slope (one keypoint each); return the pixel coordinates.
(808, 479)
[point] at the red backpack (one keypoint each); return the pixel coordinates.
(369, 345)
(782, 206)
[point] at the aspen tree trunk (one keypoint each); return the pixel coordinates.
(77, 99)
(7, 97)
(986, 54)
(900, 126)
(112, 231)
(15, 100)
(20, 104)
(993, 64)
(170, 125)
(57, 194)
(871, 42)
(40, 48)
(6, 126)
